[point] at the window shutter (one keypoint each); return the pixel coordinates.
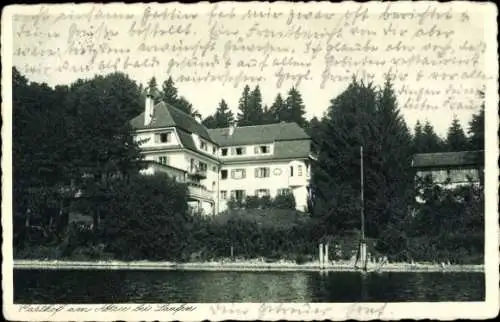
(256, 150)
(243, 173)
(256, 172)
(157, 138)
(233, 174)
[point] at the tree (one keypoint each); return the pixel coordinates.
(185, 106)
(278, 110)
(347, 125)
(222, 117)
(99, 138)
(267, 117)
(295, 107)
(152, 88)
(391, 162)
(169, 92)
(38, 154)
(456, 139)
(146, 219)
(432, 143)
(244, 114)
(476, 128)
(418, 138)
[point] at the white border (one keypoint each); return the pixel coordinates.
(290, 311)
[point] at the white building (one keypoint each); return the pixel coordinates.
(223, 163)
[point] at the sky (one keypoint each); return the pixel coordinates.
(50, 45)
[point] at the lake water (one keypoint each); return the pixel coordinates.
(120, 286)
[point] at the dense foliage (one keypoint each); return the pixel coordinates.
(76, 138)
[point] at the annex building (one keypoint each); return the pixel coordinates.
(227, 163)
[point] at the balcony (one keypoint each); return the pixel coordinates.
(198, 191)
(198, 174)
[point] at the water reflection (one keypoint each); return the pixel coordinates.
(74, 286)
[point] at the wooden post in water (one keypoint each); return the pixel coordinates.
(321, 256)
(326, 254)
(362, 251)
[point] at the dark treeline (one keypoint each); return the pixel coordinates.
(76, 139)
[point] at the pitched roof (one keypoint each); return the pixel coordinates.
(290, 149)
(448, 159)
(166, 115)
(258, 134)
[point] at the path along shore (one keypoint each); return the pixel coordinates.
(247, 265)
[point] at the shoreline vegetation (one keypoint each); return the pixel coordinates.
(78, 193)
(244, 265)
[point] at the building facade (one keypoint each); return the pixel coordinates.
(220, 164)
(449, 169)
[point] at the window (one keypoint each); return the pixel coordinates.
(223, 174)
(299, 170)
(203, 167)
(238, 194)
(238, 173)
(291, 171)
(224, 152)
(223, 194)
(262, 172)
(284, 191)
(203, 145)
(164, 137)
(214, 168)
(239, 151)
(163, 160)
(214, 150)
(262, 193)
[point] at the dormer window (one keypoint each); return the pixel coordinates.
(164, 137)
(224, 152)
(203, 145)
(262, 149)
(239, 151)
(214, 150)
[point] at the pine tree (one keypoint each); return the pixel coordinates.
(432, 143)
(222, 117)
(390, 162)
(244, 114)
(348, 125)
(185, 106)
(295, 107)
(169, 92)
(278, 110)
(476, 128)
(456, 139)
(153, 90)
(418, 139)
(267, 117)
(256, 115)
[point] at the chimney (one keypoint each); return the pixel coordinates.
(148, 109)
(232, 126)
(197, 117)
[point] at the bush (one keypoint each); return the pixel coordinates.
(284, 202)
(252, 202)
(146, 219)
